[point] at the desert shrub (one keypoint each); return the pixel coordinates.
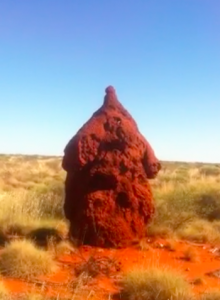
(180, 178)
(209, 170)
(156, 230)
(20, 209)
(208, 205)
(179, 205)
(216, 225)
(4, 294)
(22, 172)
(165, 177)
(174, 208)
(184, 168)
(54, 164)
(50, 200)
(200, 231)
(176, 178)
(155, 284)
(21, 259)
(183, 194)
(211, 295)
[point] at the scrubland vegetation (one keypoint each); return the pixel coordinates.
(21, 259)
(187, 198)
(157, 284)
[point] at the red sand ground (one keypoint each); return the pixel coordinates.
(101, 286)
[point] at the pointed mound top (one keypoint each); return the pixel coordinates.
(110, 97)
(110, 90)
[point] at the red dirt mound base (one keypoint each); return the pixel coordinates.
(108, 162)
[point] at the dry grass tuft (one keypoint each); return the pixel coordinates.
(155, 284)
(201, 231)
(32, 296)
(4, 294)
(17, 230)
(211, 295)
(209, 170)
(156, 230)
(21, 259)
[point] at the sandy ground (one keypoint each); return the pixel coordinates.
(112, 264)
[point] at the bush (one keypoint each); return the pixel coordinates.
(178, 206)
(155, 284)
(200, 231)
(21, 210)
(174, 208)
(21, 259)
(211, 295)
(208, 205)
(209, 170)
(51, 200)
(4, 294)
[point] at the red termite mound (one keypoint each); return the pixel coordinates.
(108, 199)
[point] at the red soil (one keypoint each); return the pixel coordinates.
(119, 262)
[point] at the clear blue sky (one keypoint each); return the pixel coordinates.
(162, 57)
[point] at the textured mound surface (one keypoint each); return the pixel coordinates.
(108, 163)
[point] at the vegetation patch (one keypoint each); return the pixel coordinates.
(211, 295)
(200, 231)
(155, 284)
(210, 170)
(21, 259)
(4, 294)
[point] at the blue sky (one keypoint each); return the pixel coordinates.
(162, 57)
